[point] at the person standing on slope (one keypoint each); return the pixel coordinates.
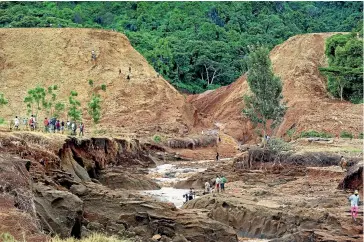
(93, 55)
(73, 128)
(81, 129)
(46, 123)
(16, 123)
(354, 202)
(62, 126)
(343, 163)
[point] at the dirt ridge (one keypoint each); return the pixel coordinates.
(296, 62)
(62, 56)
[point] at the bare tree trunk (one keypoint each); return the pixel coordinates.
(341, 92)
(207, 74)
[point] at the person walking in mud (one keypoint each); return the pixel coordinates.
(354, 202)
(343, 163)
(217, 156)
(191, 194)
(223, 180)
(207, 187)
(217, 184)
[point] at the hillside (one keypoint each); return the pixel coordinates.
(63, 56)
(296, 62)
(179, 38)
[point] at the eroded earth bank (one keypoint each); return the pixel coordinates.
(95, 185)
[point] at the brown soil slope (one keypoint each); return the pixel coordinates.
(63, 56)
(296, 62)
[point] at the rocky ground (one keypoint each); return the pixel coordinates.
(99, 185)
(90, 185)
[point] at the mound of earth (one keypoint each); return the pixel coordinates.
(145, 104)
(310, 107)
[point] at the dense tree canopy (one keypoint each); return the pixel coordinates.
(194, 45)
(265, 102)
(345, 71)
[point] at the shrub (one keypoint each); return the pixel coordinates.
(276, 144)
(91, 82)
(157, 138)
(103, 87)
(6, 237)
(360, 136)
(2, 120)
(291, 133)
(313, 133)
(345, 134)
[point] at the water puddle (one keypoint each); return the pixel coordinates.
(168, 174)
(169, 194)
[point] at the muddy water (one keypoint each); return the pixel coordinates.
(167, 175)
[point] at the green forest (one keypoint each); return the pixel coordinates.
(345, 70)
(195, 45)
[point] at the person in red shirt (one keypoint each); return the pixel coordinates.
(46, 123)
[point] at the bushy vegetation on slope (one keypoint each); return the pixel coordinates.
(194, 45)
(345, 71)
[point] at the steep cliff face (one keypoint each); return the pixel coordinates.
(89, 185)
(137, 99)
(296, 62)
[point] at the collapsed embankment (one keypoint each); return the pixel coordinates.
(68, 199)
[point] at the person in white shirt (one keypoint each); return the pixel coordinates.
(16, 122)
(207, 187)
(354, 202)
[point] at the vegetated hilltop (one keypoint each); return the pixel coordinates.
(63, 56)
(190, 42)
(296, 62)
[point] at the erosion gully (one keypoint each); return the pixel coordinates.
(168, 174)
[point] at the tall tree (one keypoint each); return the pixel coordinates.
(94, 108)
(3, 100)
(265, 103)
(35, 96)
(74, 111)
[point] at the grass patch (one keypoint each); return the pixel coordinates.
(360, 136)
(315, 134)
(275, 144)
(157, 138)
(345, 134)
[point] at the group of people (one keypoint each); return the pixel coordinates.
(190, 195)
(220, 182)
(31, 123)
(52, 125)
